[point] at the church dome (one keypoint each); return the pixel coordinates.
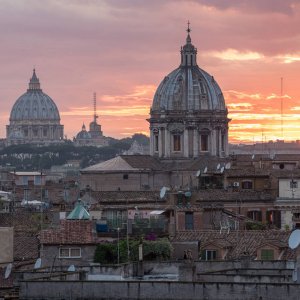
(34, 104)
(83, 134)
(188, 117)
(188, 88)
(34, 118)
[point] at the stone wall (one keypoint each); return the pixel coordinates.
(155, 290)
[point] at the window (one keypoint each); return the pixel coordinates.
(38, 180)
(66, 194)
(125, 176)
(176, 142)
(156, 143)
(209, 255)
(189, 221)
(25, 180)
(45, 132)
(255, 215)
(45, 194)
(204, 142)
(247, 185)
(293, 184)
(69, 252)
(222, 142)
(267, 254)
(26, 194)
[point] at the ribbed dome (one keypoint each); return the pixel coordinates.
(188, 87)
(83, 134)
(34, 104)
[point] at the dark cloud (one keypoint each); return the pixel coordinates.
(254, 6)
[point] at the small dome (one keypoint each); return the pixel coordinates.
(34, 104)
(83, 134)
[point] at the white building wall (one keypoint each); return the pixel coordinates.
(286, 191)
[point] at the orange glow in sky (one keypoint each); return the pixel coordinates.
(79, 47)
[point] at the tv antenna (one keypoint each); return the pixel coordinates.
(8, 270)
(95, 107)
(281, 106)
(38, 263)
(294, 239)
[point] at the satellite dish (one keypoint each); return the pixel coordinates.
(71, 268)
(222, 170)
(228, 166)
(163, 192)
(205, 170)
(8, 270)
(198, 173)
(294, 239)
(218, 166)
(253, 156)
(38, 263)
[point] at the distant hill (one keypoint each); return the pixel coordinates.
(32, 157)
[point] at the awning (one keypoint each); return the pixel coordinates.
(156, 212)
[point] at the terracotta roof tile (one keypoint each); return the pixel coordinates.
(240, 241)
(70, 232)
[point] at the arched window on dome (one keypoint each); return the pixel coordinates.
(176, 142)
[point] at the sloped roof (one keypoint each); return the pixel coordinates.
(126, 197)
(114, 164)
(126, 163)
(224, 195)
(71, 232)
(241, 241)
(26, 246)
(79, 212)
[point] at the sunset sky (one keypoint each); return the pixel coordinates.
(122, 49)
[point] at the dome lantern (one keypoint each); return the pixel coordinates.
(34, 83)
(188, 51)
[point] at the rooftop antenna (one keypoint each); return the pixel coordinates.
(8, 270)
(281, 108)
(95, 108)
